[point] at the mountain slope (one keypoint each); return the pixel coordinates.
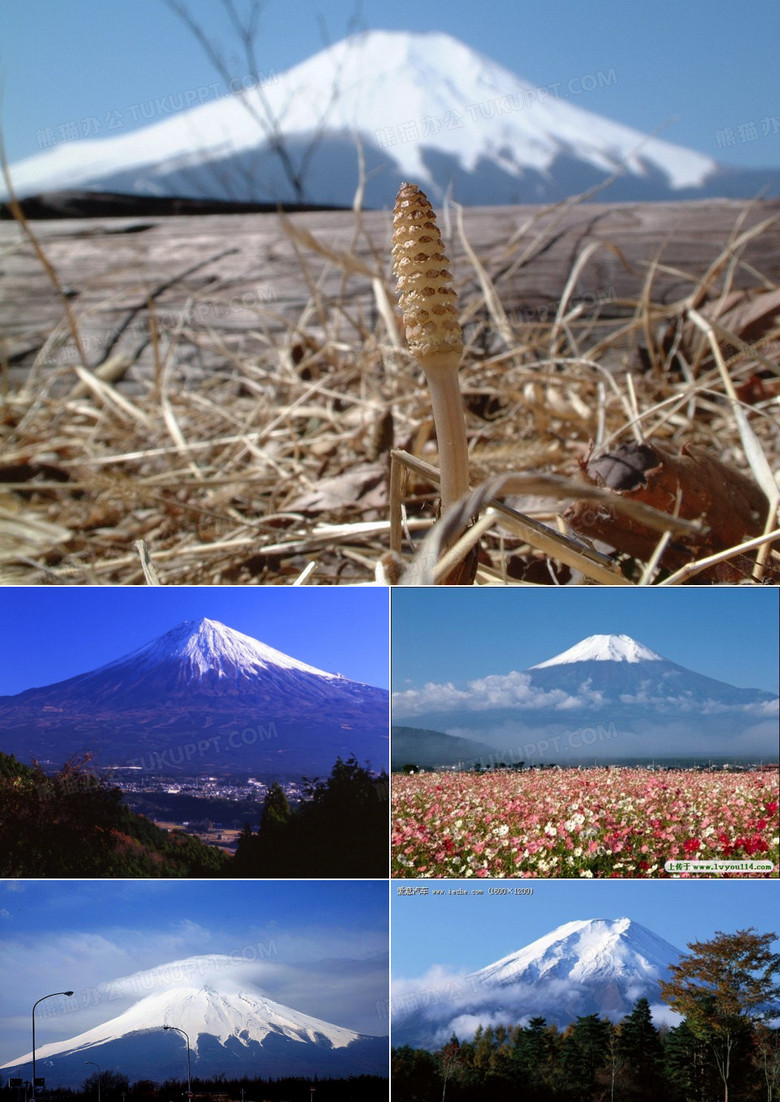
(426, 107)
(433, 749)
(197, 656)
(200, 698)
(232, 1030)
(593, 966)
(74, 825)
(627, 672)
(607, 697)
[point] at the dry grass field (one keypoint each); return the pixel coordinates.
(215, 399)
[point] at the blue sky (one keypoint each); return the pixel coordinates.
(320, 947)
(54, 633)
(695, 70)
(447, 634)
(468, 932)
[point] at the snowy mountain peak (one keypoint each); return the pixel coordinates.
(587, 966)
(424, 106)
(202, 680)
(222, 1014)
(208, 646)
(586, 951)
(603, 648)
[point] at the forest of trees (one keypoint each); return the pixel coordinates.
(77, 824)
(341, 829)
(726, 1046)
(116, 1088)
(591, 1060)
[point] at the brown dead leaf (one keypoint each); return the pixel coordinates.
(365, 486)
(694, 484)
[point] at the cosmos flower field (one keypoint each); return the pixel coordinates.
(600, 822)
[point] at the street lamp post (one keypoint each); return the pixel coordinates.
(98, 1067)
(52, 996)
(189, 1080)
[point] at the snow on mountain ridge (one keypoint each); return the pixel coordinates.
(208, 645)
(586, 966)
(584, 951)
(409, 96)
(220, 1014)
(603, 648)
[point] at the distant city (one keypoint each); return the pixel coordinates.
(215, 809)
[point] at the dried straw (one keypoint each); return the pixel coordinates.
(208, 451)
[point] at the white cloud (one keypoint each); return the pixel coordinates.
(510, 690)
(445, 1001)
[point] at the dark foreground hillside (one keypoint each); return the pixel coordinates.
(76, 824)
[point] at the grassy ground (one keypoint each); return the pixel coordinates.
(276, 468)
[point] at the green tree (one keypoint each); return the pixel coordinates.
(688, 1069)
(340, 830)
(639, 1055)
(415, 1074)
(274, 836)
(585, 1052)
(344, 825)
(534, 1057)
(722, 988)
(276, 809)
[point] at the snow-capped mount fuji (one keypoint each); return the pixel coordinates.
(233, 1030)
(586, 951)
(202, 698)
(196, 657)
(206, 648)
(603, 648)
(609, 670)
(606, 698)
(423, 106)
(588, 966)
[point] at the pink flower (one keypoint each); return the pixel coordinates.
(630, 812)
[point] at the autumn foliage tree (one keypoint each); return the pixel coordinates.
(723, 988)
(76, 823)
